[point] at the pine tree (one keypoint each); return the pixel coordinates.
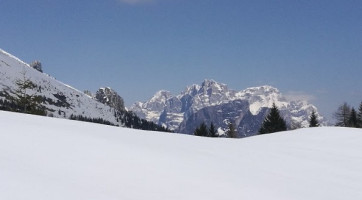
(273, 122)
(197, 132)
(352, 121)
(212, 130)
(26, 102)
(231, 132)
(202, 130)
(23, 99)
(313, 121)
(359, 116)
(342, 115)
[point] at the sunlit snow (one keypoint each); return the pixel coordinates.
(49, 158)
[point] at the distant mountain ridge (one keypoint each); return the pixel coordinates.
(215, 102)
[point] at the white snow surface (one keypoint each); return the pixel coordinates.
(49, 158)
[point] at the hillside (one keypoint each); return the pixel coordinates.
(49, 158)
(60, 100)
(63, 101)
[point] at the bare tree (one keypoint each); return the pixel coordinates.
(342, 115)
(359, 116)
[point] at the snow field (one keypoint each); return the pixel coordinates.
(49, 158)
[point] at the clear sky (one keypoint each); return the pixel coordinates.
(310, 49)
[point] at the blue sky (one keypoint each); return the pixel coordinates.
(309, 49)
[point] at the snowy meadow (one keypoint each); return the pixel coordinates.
(49, 158)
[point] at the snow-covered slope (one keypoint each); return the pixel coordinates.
(61, 99)
(182, 112)
(49, 158)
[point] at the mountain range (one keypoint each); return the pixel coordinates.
(209, 102)
(215, 102)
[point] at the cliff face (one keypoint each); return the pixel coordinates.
(111, 98)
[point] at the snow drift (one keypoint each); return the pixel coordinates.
(49, 158)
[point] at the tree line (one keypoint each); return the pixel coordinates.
(347, 116)
(89, 119)
(211, 131)
(131, 120)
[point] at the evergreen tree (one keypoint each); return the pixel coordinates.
(231, 132)
(313, 121)
(342, 115)
(8, 105)
(352, 121)
(212, 130)
(202, 130)
(26, 102)
(197, 131)
(359, 116)
(273, 122)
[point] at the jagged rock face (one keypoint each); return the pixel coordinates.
(214, 102)
(220, 115)
(110, 97)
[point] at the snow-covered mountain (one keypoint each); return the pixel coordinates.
(63, 101)
(47, 158)
(215, 102)
(60, 100)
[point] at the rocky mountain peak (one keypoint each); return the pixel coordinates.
(110, 97)
(261, 90)
(211, 86)
(209, 82)
(161, 96)
(209, 92)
